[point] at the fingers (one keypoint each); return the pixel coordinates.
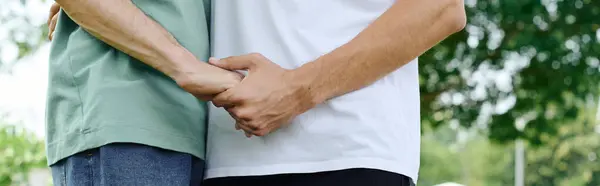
(243, 62)
(250, 130)
(232, 63)
(239, 124)
(52, 26)
(204, 97)
(52, 18)
(226, 99)
(247, 131)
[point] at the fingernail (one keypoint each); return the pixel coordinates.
(213, 60)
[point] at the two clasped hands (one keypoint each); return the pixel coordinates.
(268, 97)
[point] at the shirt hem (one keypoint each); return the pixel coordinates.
(312, 167)
(78, 141)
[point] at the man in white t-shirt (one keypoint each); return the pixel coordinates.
(332, 94)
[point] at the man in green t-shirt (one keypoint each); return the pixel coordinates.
(119, 108)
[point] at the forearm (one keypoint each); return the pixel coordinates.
(403, 32)
(122, 25)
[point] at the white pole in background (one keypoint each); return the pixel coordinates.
(519, 163)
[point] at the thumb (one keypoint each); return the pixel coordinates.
(233, 63)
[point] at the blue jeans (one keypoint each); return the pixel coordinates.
(128, 164)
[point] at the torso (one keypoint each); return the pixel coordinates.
(99, 95)
(376, 127)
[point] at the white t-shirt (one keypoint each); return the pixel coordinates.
(376, 127)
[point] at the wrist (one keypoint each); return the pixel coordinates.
(306, 77)
(179, 65)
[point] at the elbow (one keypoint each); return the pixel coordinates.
(66, 5)
(63, 2)
(71, 6)
(455, 15)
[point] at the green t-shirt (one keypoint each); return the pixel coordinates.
(99, 95)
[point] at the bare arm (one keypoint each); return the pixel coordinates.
(122, 25)
(403, 32)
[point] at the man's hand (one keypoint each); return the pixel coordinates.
(206, 82)
(267, 98)
(52, 18)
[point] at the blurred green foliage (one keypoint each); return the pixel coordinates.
(473, 162)
(20, 151)
(572, 158)
(546, 51)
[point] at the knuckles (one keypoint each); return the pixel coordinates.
(256, 56)
(254, 126)
(244, 114)
(262, 132)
